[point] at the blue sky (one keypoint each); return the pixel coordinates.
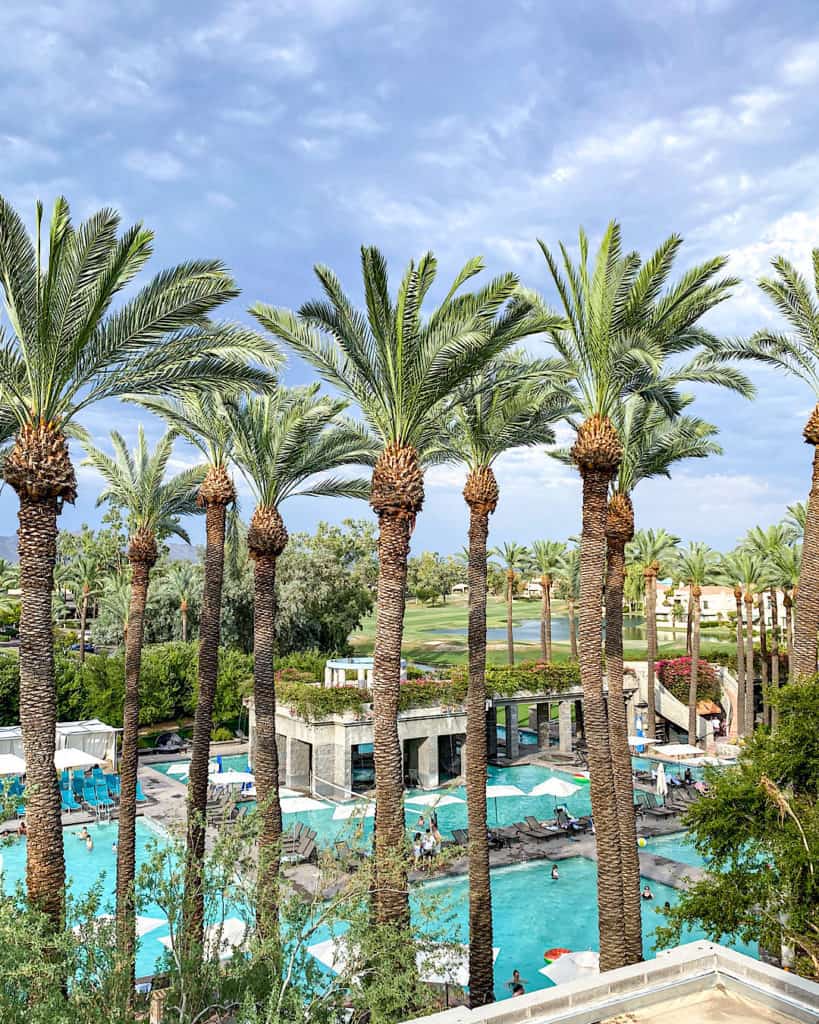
(280, 133)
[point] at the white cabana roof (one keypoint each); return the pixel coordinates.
(91, 735)
(11, 740)
(11, 764)
(72, 757)
(678, 750)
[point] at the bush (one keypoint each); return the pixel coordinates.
(675, 675)
(221, 735)
(316, 702)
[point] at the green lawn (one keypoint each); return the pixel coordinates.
(422, 642)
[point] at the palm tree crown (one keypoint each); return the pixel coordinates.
(651, 547)
(547, 557)
(515, 557)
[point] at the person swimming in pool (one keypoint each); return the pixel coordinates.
(516, 980)
(83, 834)
(89, 844)
(555, 873)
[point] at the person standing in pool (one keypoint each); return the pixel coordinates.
(555, 873)
(516, 982)
(89, 844)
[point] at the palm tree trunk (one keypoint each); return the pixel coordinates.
(689, 626)
(763, 656)
(803, 660)
(545, 647)
(774, 653)
(547, 600)
(391, 896)
(572, 627)
(265, 753)
(481, 964)
(209, 626)
(739, 723)
(618, 739)
(789, 629)
(695, 665)
(610, 890)
(83, 620)
(126, 840)
(650, 577)
(510, 634)
(183, 611)
(750, 670)
(45, 860)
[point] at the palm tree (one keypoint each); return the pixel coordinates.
(181, 582)
(505, 406)
(515, 558)
(9, 575)
(66, 351)
(795, 521)
(698, 565)
(785, 565)
(568, 581)
(115, 598)
(621, 328)
(546, 558)
(797, 353)
(280, 440)
(652, 444)
(81, 577)
(401, 369)
(202, 420)
(767, 544)
(136, 483)
(732, 574)
(654, 551)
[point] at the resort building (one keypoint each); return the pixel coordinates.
(717, 604)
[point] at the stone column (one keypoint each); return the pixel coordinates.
(328, 676)
(564, 724)
(297, 774)
(428, 762)
(542, 722)
(492, 733)
(512, 738)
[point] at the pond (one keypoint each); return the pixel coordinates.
(528, 630)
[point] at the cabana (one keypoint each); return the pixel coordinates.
(92, 736)
(11, 740)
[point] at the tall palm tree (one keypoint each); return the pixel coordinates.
(136, 483)
(568, 581)
(401, 369)
(115, 598)
(514, 559)
(733, 574)
(546, 558)
(181, 582)
(655, 551)
(202, 420)
(66, 351)
(767, 544)
(785, 565)
(621, 329)
(81, 576)
(796, 352)
(507, 405)
(652, 444)
(280, 441)
(698, 565)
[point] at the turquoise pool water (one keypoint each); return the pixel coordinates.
(85, 870)
(503, 811)
(676, 847)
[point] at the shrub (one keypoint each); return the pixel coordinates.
(675, 675)
(316, 702)
(221, 735)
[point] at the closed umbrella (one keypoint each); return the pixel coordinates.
(662, 782)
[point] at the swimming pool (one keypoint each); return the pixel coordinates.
(85, 869)
(676, 846)
(503, 811)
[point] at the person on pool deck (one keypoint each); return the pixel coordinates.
(21, 827)
(428, 844)
(555, 873)
(433, 820)
(416, 847)
(436, 835)
(688, 777)
(647, 894)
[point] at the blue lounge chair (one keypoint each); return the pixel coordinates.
(103, 800)
(78, 782)
(140, 796)
(112, 782)
(15, 789)
(68, 801)
(89, 796)
(65, 779)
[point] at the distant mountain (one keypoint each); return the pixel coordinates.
(178, 552)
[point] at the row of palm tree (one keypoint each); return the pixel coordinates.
(442, 386)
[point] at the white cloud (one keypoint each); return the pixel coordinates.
(158, 165)
(220, 200)
(315, 148)
(346, 122)
(801, 66)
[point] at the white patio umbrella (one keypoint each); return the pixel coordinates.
(553, 786)
(230, 778)
(433, 800)
(292, 804)
(230, 935)
(638, 741)
(662, 781)
(360, 809)
(497, 792)
(572, 966)
(11, 764)
(71, 757)
(679, 750)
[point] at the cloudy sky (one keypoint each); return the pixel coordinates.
(275, 134)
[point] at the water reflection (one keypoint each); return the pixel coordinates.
(528, 630)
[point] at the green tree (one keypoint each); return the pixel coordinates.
(697, 566)
(546, 558)
(81, 576)
(136, 483)
(652, 552)
(280, 441)
(515, 560)
(401, 369)
(621, 327)
(182, 583)
(67, 350)
(568, 582)
(785, 565)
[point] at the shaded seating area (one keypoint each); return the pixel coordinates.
(299, 845)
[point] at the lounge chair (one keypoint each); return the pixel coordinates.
(113, 784)
(568, 824)
(654, 809)
(508, 834)
(140, 796)
(103, 800)
(539, 830)
(460, 836)
(67, 800)
(89, 795)
(346, 855)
